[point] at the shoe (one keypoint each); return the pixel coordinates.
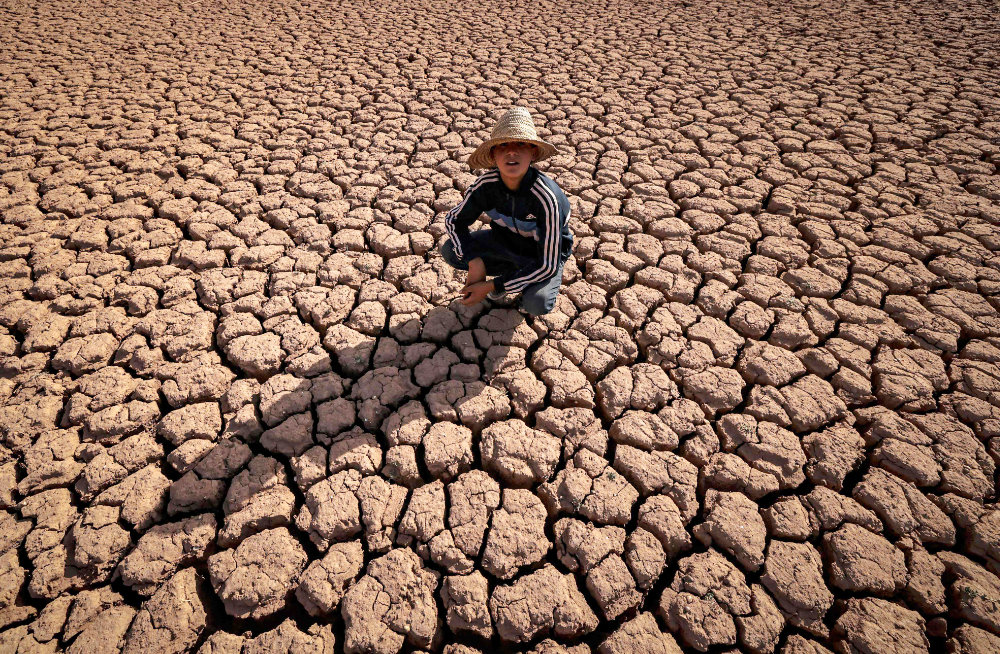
(496, 296)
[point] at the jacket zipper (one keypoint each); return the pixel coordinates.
(513, 213)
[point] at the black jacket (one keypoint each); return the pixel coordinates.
(533, 220)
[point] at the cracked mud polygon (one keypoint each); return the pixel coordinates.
(241, 409)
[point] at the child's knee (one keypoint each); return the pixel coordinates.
(536, 304)
(448, 253)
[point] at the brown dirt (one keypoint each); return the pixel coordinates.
(242, 411)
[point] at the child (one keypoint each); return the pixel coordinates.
(529, 238)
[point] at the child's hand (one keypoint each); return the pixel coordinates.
(475, 293)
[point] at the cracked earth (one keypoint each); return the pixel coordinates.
(241, 409)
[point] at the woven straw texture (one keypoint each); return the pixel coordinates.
(515, 125)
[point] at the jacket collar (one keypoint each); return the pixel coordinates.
(526, 182)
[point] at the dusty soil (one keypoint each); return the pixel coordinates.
(241, 410)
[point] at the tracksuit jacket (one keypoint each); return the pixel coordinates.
(532, 221)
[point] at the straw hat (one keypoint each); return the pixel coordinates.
(515, 125)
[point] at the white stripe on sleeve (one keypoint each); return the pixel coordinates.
(550, 248)
(449, 219)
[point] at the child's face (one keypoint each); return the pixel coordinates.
(514, 157)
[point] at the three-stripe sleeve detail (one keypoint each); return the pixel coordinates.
(550, 249)
(449, 219)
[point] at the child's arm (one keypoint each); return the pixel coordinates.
(555, 215)
(477, 271)
(476, 287)
(457, 220)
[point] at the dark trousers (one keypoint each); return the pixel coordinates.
(537, 298)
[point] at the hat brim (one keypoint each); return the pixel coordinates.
(481, 157)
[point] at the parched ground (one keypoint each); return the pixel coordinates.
(242, 411)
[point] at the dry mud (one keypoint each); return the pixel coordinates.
(241, 410)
